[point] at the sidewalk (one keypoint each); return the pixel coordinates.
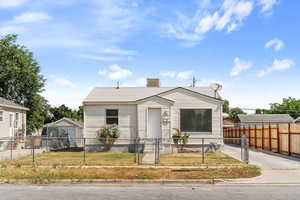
(276, 169)
(148, 159)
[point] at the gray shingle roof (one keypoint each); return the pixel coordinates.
(10, 104)
(131, 94)
(72, 121)
(265, 118)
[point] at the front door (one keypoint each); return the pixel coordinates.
(154, 123)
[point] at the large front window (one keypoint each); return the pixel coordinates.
(112, 116)
(196, 120)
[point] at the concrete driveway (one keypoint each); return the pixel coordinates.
(276, 168)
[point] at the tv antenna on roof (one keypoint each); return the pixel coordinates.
(194, 81)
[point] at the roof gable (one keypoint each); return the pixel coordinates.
(11, 104)
(68, 120)
(134, 94)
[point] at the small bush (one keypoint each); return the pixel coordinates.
(180, 139)
(108, 135)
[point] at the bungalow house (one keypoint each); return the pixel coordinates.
(259, 119)
(153, 112)
(12, 119)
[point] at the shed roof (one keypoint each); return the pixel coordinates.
(72, 121)
(132, 94)
(265, 118)
(11, 104)
(297, 120)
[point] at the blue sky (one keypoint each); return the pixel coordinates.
(250, 46)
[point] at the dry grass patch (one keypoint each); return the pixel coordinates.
(195, 159)
(76, 159)
(40, 174)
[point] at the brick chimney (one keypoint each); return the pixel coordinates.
(153, 82)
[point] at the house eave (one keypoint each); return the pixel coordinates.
(14, 107)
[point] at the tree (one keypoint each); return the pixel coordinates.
(64, 111)
(234, 112)
(289, 106)
(21, 81)
(226, 106)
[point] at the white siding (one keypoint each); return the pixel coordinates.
(95, 118)
(5, 126)
(185, 99)
(143, 112)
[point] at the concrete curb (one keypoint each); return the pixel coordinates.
(147, 167)
(109, 181)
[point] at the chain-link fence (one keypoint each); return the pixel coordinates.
(66, 151)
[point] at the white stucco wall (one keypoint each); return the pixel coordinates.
(5, 124)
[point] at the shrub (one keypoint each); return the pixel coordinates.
(180, 139)
(108, 135)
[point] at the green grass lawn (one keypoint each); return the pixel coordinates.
(76, 159)
(195, 159)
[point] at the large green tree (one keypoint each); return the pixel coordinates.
(289, 106)
(21, 81)
(64, 111)
(234, 112)
(226, 108)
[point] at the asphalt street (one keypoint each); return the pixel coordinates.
(206, 192)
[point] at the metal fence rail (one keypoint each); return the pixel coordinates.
(85, 151)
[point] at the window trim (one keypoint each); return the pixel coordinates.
(2, 116)
(111, 117)
(202, 132)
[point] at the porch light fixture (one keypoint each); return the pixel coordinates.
(165, 118)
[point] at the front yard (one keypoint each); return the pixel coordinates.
(53, 165)
(75, 159)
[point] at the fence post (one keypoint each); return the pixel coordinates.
(263, 136)
(84, 156)
(32, 145)
(249, 133)
(11, 148)
(270, 138)
(278, 139)
(203, 150)
(255, 142)
(289, 136)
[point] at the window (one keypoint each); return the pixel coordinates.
(196, 120)
(16, 120)
(1, 116)
(112, 117)
(11, 116)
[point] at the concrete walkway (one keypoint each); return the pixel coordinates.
(276, 168)
(149, 159)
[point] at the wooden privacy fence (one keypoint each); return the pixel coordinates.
(279, 138)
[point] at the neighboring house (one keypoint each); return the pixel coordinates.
(259, 119)
(154, 111)
(12, 119)
(67, 128)
(297, 121)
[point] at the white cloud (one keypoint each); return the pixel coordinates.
(11, 29)
(276, 44)
(31, 17)
(115, 72)
(170, 74)
(118, 51)
(278, 65)
(63, 81)
(267, 5)
(185, 75)
(140, 82)
(11, 3)
(101, 58)
(102, 72)
(240, 66)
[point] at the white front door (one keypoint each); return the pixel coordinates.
(154, 123)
